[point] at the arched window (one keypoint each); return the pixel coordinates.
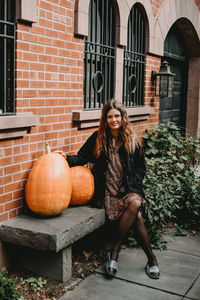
(7, 56)
(99, 54)
(134, 60)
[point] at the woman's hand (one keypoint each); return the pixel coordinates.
(60, 152)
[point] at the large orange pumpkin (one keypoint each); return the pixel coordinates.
(82, 185)
(49, 185)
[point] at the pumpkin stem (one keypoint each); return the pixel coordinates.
(48, 149)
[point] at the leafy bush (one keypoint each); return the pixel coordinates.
(171, 186)
(8, 287)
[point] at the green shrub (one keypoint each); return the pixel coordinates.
(171, 187)
(8, 287)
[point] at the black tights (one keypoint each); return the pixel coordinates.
(132, 216)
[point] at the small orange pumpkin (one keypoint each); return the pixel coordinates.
(82, 185)
(49, 185)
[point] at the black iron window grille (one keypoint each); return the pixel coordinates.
(99, 54)
(134, 60)
(7, 56)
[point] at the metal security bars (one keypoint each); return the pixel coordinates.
(99, 54)
(134, 60)
(7, 56)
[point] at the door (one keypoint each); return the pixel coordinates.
(173, 109)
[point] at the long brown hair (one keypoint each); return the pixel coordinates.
(126, 134)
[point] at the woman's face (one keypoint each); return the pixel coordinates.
(114, 120)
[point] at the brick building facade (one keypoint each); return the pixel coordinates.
(49, 81)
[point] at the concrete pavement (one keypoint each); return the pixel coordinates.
(179, 280)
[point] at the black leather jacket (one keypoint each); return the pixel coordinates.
(133, 168)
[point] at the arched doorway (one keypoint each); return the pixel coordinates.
(173, 109)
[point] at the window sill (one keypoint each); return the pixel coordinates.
(90, 118)
(26, 10)
(17, 125)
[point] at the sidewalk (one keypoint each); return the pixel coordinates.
(180, 275)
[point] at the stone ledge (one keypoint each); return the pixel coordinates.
(90, 118)
(55, 233)
(14, 126)
(26, 10)
(140, 113)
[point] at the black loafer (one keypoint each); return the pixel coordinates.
(111, 266)
(153, 272)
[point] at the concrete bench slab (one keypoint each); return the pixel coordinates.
(43, 245)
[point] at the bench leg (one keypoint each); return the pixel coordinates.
(49, 264)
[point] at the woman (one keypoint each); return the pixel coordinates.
(118, 169)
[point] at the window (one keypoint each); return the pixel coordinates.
(99, 54)
(7, 56)
(134, 60)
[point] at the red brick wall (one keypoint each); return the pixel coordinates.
(49, 83)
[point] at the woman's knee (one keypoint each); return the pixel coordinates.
(134, 206)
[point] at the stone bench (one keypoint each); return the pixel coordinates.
(44, 245)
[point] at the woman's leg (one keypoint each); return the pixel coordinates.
(125, 223)
(142, 237)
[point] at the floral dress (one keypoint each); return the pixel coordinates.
(115, 205)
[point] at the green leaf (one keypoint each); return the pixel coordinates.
(180, 166)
